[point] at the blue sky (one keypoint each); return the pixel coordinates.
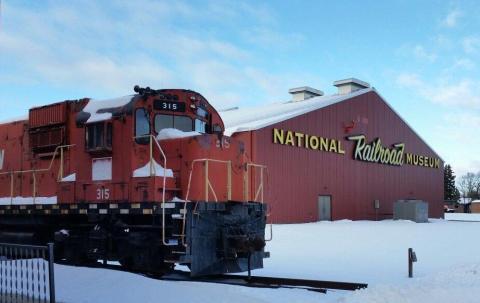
(422, 56)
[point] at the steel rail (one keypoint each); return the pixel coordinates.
(240, 280)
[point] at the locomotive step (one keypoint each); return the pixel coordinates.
(178, 216)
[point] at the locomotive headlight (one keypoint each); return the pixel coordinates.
(193, 106)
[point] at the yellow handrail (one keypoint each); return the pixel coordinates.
(153, 173)
(34, 171)
(260, 190)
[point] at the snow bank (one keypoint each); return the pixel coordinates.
(462, 217)
(158, 169)
(245, 119)
(28, 200)
(94, 106)
(173, 133)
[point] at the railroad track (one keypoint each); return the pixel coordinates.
(240, 280)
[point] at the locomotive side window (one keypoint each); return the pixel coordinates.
(142, 126)
(200, 126)
(182, 123)
(98, 136)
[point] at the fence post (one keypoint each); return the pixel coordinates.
(51, 272)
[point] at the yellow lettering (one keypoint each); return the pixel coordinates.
(323, 144)
(278, 136)
(314, 142)
(340, 150)
(437, 163)
(333, 146)
(299, 137)
(289, 139)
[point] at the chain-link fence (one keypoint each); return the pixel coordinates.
(26, 274)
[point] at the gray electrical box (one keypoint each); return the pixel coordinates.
(413, 210)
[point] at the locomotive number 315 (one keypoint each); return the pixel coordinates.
(103, 193)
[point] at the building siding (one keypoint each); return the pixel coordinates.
(297, 176)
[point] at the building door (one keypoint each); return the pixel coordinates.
(324, 208)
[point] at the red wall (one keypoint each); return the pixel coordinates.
(297, 176)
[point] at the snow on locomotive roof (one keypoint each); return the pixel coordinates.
(253, 118)
(15, 119)
(95, 108)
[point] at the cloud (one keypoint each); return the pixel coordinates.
(463, 93)
(106, 48)
(452, 17)
(417, 51)
(471, 44)
(421, 53)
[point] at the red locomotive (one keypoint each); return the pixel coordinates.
(148, 180)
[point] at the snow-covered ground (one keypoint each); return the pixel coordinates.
(448, 267)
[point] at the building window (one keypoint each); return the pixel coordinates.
(182, 123)
(99, 136)
(142, 126)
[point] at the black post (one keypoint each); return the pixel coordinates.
(51, 272)
(249, 266)
(412, 257)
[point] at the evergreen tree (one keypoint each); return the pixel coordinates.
(449, 189)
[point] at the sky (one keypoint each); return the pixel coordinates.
(422, 56)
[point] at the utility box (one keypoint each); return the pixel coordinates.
(413, 210)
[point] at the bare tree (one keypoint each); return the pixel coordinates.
(467, 185)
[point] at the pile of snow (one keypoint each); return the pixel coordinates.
(28, 200)
(157, 168)
(94, 106)
(245, 119)
(70, 178)
(173, 133)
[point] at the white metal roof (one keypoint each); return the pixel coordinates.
(253, 118)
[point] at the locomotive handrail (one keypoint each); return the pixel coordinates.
(34, 171)
(259, 191)
(208, 186)
(153, 173)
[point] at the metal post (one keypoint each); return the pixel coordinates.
(229, 185)
(34, 187)
(11, 187)
(152, 169)
(206, 181)
(412, 257)
(60, 173)
(51, 272)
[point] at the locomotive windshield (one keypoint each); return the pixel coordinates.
(182, 123)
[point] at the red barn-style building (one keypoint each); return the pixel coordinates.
(344, 156)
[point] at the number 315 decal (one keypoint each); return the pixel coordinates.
(103, 193)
